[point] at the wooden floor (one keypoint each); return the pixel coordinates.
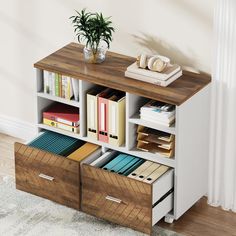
(200, 220)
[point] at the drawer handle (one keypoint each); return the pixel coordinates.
(46, 177)
(113, 199)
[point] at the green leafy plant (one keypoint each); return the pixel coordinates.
(93, 28)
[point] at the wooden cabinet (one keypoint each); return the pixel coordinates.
(107, 195)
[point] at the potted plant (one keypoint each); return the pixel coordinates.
(94, 29)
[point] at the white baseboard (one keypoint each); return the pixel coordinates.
(17, 128)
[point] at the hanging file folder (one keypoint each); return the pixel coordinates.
(92, 112)
(114, 162)
(122, 163)
(116, 120)
(133, 167)
(128, 165)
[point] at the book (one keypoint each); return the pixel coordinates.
(52, 123)
(158, 112)
(67, 87)
(57, 78)
(84, 151)
(163, 83)
(46, 81)
(75, 86)
(164, 75)
(63, 113)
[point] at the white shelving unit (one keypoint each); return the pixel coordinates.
(190, 130)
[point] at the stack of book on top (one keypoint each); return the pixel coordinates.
(158, 112)
(164, 78)
(62, 116)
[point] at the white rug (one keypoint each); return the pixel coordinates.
(23, 214)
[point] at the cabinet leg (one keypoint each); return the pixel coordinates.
(169, 219)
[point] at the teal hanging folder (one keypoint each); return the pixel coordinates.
(113, 162)
(122, 164)
(133, 167)
(56, 143)
(128, 165)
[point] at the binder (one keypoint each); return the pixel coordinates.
(122, 163)
(103, 109)
(84, 151)
(92, 112)
(156, 174)
(133, 167)
(129, 165)
(116, 120)
(139, 170)
(143, 175)
(113, 162)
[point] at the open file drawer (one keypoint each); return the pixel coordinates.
(49, 175)
(126, 201)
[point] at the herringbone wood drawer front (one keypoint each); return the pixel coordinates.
(117, 198)
(47, 175)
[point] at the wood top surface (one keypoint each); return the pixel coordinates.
(69, 61)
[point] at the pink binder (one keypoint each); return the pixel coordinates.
(103, 104)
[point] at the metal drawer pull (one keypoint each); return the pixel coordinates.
(46, 177)
(113, 199)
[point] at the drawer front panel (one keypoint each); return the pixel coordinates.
(117, 198)
(47, 175)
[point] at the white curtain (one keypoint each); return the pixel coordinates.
(222, 165)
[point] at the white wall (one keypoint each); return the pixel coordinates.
(31, 29)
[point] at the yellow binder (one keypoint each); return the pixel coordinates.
(140, 169)
(116, 131)
(143, 175)
(156, 174)
(92, 112)
(86, 150)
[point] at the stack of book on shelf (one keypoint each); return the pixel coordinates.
(132, 167)
(154, 141)
(62, 116)
(164, 78)
(68, 147)
(106, 115)
(60, 85)
(158, 112)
